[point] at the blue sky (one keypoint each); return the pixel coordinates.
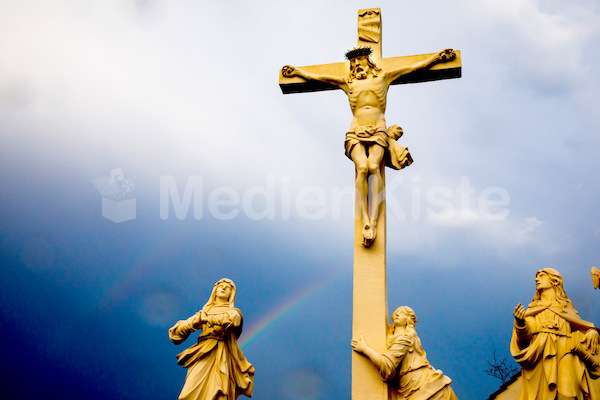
(186, 94)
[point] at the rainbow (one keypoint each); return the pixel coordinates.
(118, 291)
(270, 319)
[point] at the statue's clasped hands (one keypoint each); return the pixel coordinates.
(203, 318)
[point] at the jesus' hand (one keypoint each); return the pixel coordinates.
(447, 55)
(289, 71)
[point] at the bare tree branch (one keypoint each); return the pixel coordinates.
(501, 369)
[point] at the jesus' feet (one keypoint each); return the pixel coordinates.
(369, 233)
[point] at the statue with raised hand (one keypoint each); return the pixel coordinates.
(557, 350)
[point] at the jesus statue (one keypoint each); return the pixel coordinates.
(370, 141)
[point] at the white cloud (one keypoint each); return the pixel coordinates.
(546, 46)
(454, 217)
(530, 224)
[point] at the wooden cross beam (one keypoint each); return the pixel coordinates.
(447, 70)
(437, 72)
(370, 311)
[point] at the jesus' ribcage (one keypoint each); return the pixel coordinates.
(374, 96)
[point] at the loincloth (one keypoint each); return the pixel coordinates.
(396, 156)
(367, 135)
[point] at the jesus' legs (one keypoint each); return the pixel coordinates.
(376, 153)
(359, 156)
(368, 170)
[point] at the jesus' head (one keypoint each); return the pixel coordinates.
(360, 63)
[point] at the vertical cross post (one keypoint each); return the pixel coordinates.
(369, 304)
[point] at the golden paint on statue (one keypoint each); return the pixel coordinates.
(557, 350)
(366, 80)
(595, 277)
(369, 141)
(404, 366)
(217, 368)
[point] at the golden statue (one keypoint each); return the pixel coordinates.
(217, 368)
(369, 140)
(595, 277)
(404, 365)
(557, 350)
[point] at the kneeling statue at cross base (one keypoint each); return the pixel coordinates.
(369, 140)
(404, 365)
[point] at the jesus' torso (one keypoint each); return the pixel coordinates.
(368, 98)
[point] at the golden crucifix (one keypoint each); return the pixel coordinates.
(371, 144)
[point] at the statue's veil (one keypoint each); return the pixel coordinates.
(213, 294)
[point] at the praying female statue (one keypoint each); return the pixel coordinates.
(216, 367)
(404, 365)
(557, 350)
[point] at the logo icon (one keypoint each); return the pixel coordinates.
(118, 204)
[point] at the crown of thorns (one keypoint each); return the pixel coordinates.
(359, 51)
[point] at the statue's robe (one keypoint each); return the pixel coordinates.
(548, 347)
(408, 373)
(216, 364)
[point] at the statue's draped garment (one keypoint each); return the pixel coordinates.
(548, 347)
(216, 364)
(396, 156)
(409, 374)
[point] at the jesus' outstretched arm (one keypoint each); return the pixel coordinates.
(289, 71)
(441, 57)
